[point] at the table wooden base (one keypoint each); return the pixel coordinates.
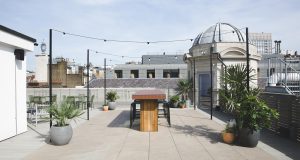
(149, 117)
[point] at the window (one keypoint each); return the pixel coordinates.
(151, 73)
(171, 73)
(134, 74)
(272, 70)
(119, 73)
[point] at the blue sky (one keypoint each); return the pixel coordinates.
(143, 20)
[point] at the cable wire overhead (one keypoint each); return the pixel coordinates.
(122, 41)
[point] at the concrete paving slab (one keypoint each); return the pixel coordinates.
(107, 136)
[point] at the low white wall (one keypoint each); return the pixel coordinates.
(124, 93)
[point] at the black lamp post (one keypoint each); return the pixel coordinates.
(248, 59)
(88, 84)
(104, 80)
(194, 84)
(50, 73)
(211, 80)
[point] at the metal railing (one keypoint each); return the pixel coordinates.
(284, 73)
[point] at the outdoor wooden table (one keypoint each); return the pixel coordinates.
(149, 108)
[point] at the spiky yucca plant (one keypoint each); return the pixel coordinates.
(63, 113)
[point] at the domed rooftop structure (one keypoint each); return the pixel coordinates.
(220, 32)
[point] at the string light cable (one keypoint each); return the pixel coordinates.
(122, 41)
(133, 41)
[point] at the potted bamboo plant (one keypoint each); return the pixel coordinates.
(112, 96)
(250, 112)
(61, 133)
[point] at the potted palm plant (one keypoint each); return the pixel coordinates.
(183, 88)
(61, 133)
(250, 112)
(112, 96)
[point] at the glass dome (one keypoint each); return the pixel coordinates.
(220, 32)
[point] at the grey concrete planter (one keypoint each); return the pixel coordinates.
(112, 105)
(247, 138)
(61, 135)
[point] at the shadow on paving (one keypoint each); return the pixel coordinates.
(282, 144)
(122, 120)
(199, 130)
(218, 114)
(41, 135)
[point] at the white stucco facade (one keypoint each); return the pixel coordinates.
(13, 83)
(227, 42)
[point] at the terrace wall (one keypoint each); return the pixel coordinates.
(288, 106)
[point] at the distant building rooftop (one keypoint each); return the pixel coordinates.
(163, 59)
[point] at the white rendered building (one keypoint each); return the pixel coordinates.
(227, 42)
(13, 49)
(41, 70)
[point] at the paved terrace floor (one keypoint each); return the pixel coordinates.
(107, 136)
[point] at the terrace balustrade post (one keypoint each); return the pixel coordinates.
(280, 72)
(285, 78)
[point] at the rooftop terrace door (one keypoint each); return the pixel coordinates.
(204, 89)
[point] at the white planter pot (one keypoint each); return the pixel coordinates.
(112, 105)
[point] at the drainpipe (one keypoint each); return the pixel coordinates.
(269, 61)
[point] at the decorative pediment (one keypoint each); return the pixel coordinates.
(233, 52)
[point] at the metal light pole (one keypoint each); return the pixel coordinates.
(104, 80)
(211, 81)
(50, 73)
(248, 59)
(88, 84)
(194, 87)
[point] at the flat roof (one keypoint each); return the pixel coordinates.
(13, 32)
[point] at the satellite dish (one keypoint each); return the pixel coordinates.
(43, 47)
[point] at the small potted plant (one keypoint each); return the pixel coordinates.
(112, 96)
(174, 101)
(182, 104)
(61, 133)
(105, 107)
(228, 135)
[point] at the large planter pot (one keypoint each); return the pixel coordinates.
(112, 105)
(228, 137)
(61, 135)
(248, 138)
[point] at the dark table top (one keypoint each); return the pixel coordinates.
(149, 94)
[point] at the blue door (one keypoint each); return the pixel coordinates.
(204, 85)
